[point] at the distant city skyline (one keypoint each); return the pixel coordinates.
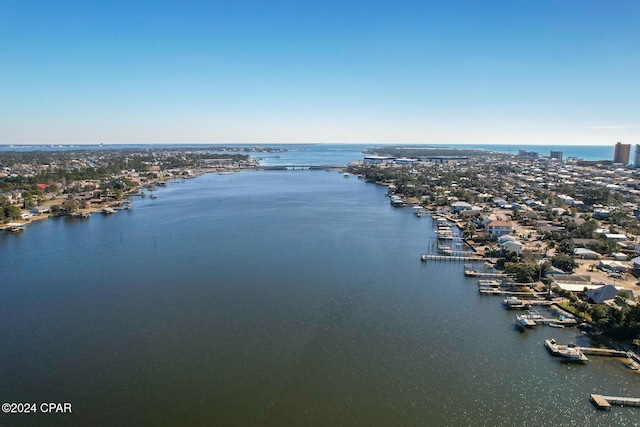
(407, 72)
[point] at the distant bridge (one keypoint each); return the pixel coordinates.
(299, 167)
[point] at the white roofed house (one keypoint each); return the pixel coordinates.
(584, 253)
(615, 237)
(506, 238)
(614, 266)
(39, 210)
(460, 206)
(499, 228)
(512, 246)
(619, 256)
(500, 202)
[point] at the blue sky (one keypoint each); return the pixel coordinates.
(512, 72)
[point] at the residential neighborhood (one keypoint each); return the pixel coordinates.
(566, 225)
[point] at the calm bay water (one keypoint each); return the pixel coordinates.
(272, 298)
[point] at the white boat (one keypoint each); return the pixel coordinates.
(14, 227)
(525, 321)
(511, 301)
(445, 234)
(489, 283)
(514, 303)
(572, 354)
(569, 353)
(556, 325)
(396, 201)
(80, 215)
(108, 211)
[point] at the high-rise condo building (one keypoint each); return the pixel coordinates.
(555, 155)
(621, 153)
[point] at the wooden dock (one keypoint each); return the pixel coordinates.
(426, 257)
(603, 351)
(568, 321)
(604, 402)
(486, 275)
(493, 291)
(600, 402)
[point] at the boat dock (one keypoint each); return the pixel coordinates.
(486, 275)
(494, 291)
(567, 352)
(454, 252)
(13, 227)
(604, 402)
(562, 321)
(603, 352)
(426, 257)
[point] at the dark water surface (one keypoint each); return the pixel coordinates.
(272, 298)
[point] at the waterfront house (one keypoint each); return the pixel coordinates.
(572, 282)
(512, 246)
(506, 238)
(499, 228)
(38, 210)
(604, 294)
(474, 212)
(460, 206)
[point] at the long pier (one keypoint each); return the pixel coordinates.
(452, 252)
(487, 291)
(295, 166)
(487, 275)
(426, 257)
(604, 402)
(603, 351)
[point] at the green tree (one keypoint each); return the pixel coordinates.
(566, 246)
(8, 211)
(586, 229)
(523, 272)
(70, 205)
(564, 262)
(469, 230)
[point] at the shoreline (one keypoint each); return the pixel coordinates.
(136, 191)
